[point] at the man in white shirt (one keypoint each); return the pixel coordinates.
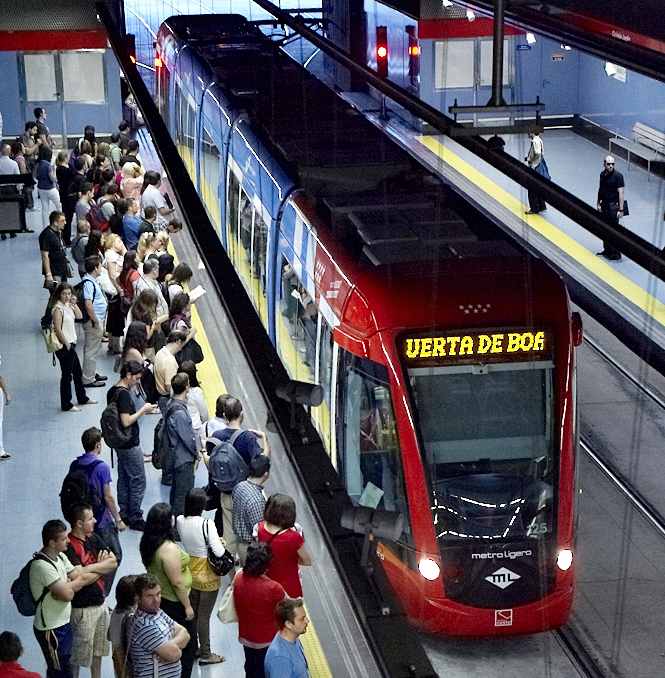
(152, 197)
(7, 165)
(148, 281)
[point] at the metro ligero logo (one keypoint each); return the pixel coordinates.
(503, 578)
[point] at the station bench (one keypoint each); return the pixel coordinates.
(647, 143)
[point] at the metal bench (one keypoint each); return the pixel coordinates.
(647, 143)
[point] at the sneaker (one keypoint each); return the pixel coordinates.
(95, 384)
(73, 408)
(138, 525)
(89, 401)
(100, 377)
(5, 455)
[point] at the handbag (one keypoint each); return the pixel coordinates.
(51, 340)
(105, 283)
(220, 565)
(227, 609)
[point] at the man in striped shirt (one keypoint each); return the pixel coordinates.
(155, 641)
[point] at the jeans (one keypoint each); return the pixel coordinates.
(131, 482)
(183, 482)
(177, 612)
(110, 537)
(203, 603)
(91, 348)
(48, 196)
(56, 646)
(254, 660)
(71, 369)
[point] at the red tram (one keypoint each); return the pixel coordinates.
(444, 351)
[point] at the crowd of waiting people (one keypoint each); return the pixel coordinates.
(130, 296)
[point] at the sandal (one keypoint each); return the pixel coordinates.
(212, 658)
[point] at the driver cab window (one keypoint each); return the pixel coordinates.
(370, 462)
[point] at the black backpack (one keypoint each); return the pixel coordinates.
(115, 435)
(159, 440)
(77, 489)
(21, 592)
(226, 466)
(80, 301)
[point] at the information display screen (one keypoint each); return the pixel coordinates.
(476, 346)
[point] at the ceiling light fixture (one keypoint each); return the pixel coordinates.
(470, 15)
(531, 38)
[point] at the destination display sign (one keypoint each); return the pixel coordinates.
(476, 346)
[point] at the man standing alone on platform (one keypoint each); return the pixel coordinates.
(610, 203)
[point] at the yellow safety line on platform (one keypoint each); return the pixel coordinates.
(619, 282)
(211, 378)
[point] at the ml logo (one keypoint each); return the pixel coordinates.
(502, 578)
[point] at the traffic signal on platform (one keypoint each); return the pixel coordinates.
(382, 51)
(130, 41)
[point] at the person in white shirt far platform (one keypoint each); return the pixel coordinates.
(153, 197)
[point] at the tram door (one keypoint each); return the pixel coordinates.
(67, 84)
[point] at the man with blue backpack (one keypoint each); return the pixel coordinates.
(88, 482)
(231, 451)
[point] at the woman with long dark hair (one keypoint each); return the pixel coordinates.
(65, 312)
(95, 245)
(165, 560)
(144, 309)
(196, 402)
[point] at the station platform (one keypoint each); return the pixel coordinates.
(43, 441)
(575, 164)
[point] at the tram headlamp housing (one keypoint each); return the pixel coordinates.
(429, 568)
(565, 559)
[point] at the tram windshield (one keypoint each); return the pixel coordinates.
(487, 433)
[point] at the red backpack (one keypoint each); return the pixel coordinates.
(98, 222)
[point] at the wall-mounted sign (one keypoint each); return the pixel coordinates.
(558, 56)
(523, 47)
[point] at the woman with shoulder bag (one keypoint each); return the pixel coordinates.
(199, 537)
(180, 318)
(65, 312)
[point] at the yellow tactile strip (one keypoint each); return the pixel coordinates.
(619, 282)
(210, 376)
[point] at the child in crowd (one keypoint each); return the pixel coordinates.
(125, 599)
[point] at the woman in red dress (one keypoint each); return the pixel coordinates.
(285, 537)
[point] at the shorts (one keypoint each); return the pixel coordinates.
(89, 626)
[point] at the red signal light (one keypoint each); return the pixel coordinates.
(382, 51)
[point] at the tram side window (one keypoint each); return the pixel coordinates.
(178, 115)
(232, 216)
(300, 311)
(245, 229)
(369, 456)
(260, 248)
(164, 77)
(190, 126)
(210, 174)
(325, 360)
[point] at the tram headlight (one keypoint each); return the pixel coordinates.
(429, 568)
(564, 559)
